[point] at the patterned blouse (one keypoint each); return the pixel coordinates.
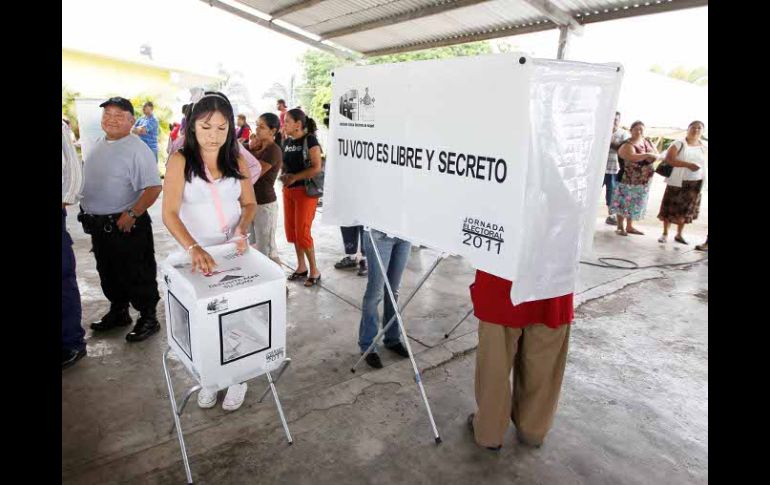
(637, 173)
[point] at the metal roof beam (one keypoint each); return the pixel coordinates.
(445, 6)
(556, 15)
(525, 28)
(645, 7)
(281, 30)
(282, 12)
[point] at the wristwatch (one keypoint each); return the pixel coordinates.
(132, 214)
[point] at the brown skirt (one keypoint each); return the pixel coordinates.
(681, 205)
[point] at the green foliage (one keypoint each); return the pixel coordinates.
(317, 67)
(698, 75)
(68, 108)
(470, 49)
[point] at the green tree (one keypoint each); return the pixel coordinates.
(68, 108)
(317, 67)
(698, 75)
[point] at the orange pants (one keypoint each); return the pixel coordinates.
(298, 215)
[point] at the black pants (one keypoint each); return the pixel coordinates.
(350, 238)
(126, 265)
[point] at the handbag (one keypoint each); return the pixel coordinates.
(314, 186)
(664, 169)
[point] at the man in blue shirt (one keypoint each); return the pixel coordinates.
(147, 128)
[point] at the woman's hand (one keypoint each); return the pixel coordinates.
(694, 167)
(202, 260)
(241, 240)
(288, 178)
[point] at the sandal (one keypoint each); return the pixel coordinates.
(312, 281)
(634, 230)
(680, 240)
(296, 276)
(621, 232)
(663, 239)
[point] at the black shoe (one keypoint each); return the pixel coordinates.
(69, 356)
(362, 271)
(346, 263)
(399, 349)
(113, 319)
(145, 326)
(473, 433)
(374, 360)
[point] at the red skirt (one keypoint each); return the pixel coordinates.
(492, 304)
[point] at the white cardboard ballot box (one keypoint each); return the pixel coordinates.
(229, 326)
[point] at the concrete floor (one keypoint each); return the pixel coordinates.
(634, 406)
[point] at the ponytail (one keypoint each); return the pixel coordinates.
(311, 126)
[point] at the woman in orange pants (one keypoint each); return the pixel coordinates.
(298, 207)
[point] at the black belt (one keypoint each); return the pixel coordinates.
(104, 222)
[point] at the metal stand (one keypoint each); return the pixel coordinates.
(397, 317)
(446, 335)
(177, 410)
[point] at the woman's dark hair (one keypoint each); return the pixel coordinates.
(274, 123)
(186, 110)
(635, 124)
(227, 161)
(307, 122)
(696, 122)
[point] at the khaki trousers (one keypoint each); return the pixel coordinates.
(537, 355)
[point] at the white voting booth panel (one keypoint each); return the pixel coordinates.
(497, 158)
(430, 151)
(230, 326)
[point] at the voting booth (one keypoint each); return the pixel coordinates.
(225, 327)
(498, 158)
(229, 326)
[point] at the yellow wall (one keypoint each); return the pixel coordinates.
(97, 76)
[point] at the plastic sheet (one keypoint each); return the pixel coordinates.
(572, 105)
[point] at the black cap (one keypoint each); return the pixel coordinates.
(121, 103)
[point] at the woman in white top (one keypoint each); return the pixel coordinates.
(681, 201)
(208, 198)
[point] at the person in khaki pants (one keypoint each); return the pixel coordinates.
(530, 341)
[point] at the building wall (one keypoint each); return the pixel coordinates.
(100, 77)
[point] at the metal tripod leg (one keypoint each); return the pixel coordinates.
(180, 407)
(280, 408)
(281, 369)
(446, 335)
(401, 309)
(179, 434)
(417, 377)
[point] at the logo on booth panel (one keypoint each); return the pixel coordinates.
(358, 106)
(483, 235)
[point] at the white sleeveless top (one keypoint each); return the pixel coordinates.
(692, 154)
(198, 212)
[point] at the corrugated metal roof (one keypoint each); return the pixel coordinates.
(374, 27)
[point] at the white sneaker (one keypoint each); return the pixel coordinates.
(235, 396)
(207, 399)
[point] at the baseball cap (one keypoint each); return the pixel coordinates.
(121, 103)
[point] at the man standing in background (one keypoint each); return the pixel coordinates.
(121, 182)
(73, 345)
(147, 128)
